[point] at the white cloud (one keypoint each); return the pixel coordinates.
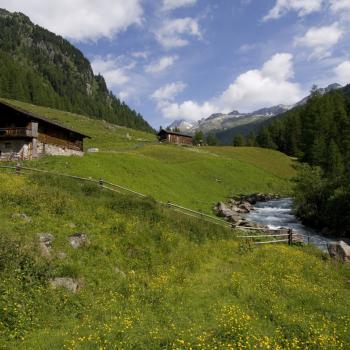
(169, 5)
(341, 8)
(169, 91)
(340, 5)
(176, 32)
(140, 54)
(254, 89)
(80, 20)
(112, 69)
(320, 39)
(247, 48)
(302, 7)
(162, 64)
(268, 86)
(342, 72)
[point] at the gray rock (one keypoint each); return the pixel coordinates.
(71, 284)
(45, 244)
(224, 211)
(79, 240)
(245, 207)
(23, 217)
(93, 150)
(46, 238)
(339, 251)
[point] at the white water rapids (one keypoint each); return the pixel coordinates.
(279, 213)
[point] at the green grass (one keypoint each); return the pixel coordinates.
(190, 176)
(196, 179)
(187, 284)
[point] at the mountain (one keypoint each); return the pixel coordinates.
(42, 68)
(219, 122)
(227, 126)
(182, 125)
(322, 91)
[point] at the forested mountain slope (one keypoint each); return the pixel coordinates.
(318, 133)
(40, 67)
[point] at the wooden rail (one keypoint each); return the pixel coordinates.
(112, 187)
(15, 132)
(180, 209)
(289, 239)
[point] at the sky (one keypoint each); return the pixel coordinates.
(188, 59)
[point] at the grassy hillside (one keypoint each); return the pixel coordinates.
(155, 280)
(186, 176)
(191, 176)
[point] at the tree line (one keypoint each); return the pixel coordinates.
(318, 134)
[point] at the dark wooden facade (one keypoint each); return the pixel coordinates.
(175, 137)
(24, 135)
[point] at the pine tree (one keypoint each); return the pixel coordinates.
(238, 141)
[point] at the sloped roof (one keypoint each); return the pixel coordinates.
(40, 118)
(174, 133)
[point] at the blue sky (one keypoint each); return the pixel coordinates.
(187, 59)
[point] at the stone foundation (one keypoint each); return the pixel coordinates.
(15, 150)
(29, 149)
(53, 150)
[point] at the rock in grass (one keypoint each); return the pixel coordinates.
(79, 240)
(46, 238)
(71, 284)
(22, 217)
(45, 244)
(339, 251)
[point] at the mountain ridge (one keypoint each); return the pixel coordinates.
(226, 126)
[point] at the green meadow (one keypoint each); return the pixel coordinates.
(196, 177)
(152, 278)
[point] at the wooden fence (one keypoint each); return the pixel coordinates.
(18, 169)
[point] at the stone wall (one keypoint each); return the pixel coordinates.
(15, 149)
(54, 150)
(23, 150)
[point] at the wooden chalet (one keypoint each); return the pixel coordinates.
(175, 137)
(24, 136)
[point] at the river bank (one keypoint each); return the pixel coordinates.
(270, 213)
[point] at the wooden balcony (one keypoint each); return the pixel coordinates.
(13, 133)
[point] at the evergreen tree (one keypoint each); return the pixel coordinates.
(238, 141)
(198, 138)
(250, 140)
(212, 140)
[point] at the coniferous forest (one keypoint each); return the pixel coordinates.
(42, 68)
(318, 134)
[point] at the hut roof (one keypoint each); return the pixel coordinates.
(174, 133)
(40, 118)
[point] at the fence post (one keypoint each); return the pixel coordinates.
(101, 182)
(290, 237)
(18, 169)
